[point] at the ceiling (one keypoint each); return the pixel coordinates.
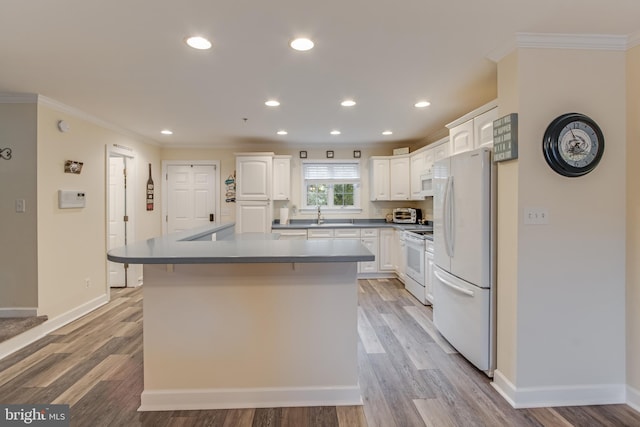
(126, 62)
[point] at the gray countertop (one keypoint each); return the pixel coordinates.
(342, 223)
(195, 247)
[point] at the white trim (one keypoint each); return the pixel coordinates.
(18, 98)
(200, 399)
(565, 41)
(24, 339)
(572, 41)
(18, 312)
(634, 40)
(63, 108)
(216, 184)
(571, 395)
(633, 398)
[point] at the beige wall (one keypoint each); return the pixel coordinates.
(507, 236)
(227, 167)
(571, 272)
(633, 221)
(18, 254)
(72, 242)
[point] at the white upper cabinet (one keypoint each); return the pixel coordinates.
(282, 178)
(483, 129)
(473, 130)
(399, 178)
(441, 149)
(254, 175)
(461, 137)
(379, 179)
(418, 168)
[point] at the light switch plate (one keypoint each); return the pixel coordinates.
(21, 206)
(538, 216)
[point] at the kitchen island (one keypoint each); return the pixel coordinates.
(247, 320)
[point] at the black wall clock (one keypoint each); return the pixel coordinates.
(573, 144)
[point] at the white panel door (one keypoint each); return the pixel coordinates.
(117, 212)
(417, 168)
(379, 179)
(191, 196)
(282, 178)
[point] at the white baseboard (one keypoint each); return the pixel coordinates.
(200, 399)
(633, 398)
(537, 397)
(24, 339)
(18, 312)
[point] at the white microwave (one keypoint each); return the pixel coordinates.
(426, 185)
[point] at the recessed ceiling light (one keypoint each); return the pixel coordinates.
(422, 104)
(335, 132)
(282, 132)
(198, 42)
(348, 103)
(301, 44)
(387, 132)
(272, 103)
(166, 132)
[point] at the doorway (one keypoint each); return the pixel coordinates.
(190, 194)
(120, 214)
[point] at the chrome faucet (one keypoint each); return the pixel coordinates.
(319, 219)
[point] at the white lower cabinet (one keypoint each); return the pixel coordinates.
(385, 250)
(370, 241)
(428, 272)
(253, 216)
(290, 234)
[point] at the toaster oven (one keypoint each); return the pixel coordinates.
(407, 215)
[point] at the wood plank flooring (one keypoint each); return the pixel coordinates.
(410, 376)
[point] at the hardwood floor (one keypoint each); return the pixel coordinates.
(409, 376)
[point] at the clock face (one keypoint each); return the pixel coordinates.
(573, 144)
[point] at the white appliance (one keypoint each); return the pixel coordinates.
(464, 240)
(414, 279)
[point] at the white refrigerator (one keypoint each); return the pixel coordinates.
(464, 247)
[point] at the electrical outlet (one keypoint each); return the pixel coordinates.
(536, 216)
(87, 282)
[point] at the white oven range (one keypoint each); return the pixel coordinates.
(415, 254)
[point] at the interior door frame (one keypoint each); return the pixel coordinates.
(216, 185)
(134, 272)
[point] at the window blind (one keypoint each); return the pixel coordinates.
(331, 171)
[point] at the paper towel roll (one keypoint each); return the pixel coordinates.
(284, 216)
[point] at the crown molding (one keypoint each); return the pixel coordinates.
(572, 41)
(565, 41)
(63, 108)
(18, 98)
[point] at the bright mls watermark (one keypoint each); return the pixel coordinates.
(34, 415)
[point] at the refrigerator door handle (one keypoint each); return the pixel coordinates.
(445, 216)
(452, 285)
(452, 229)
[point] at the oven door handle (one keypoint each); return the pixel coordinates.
(452, 285)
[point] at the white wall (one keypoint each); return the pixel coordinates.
(72, 242)
(18, 255)
(633, 226)
(570, 296)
